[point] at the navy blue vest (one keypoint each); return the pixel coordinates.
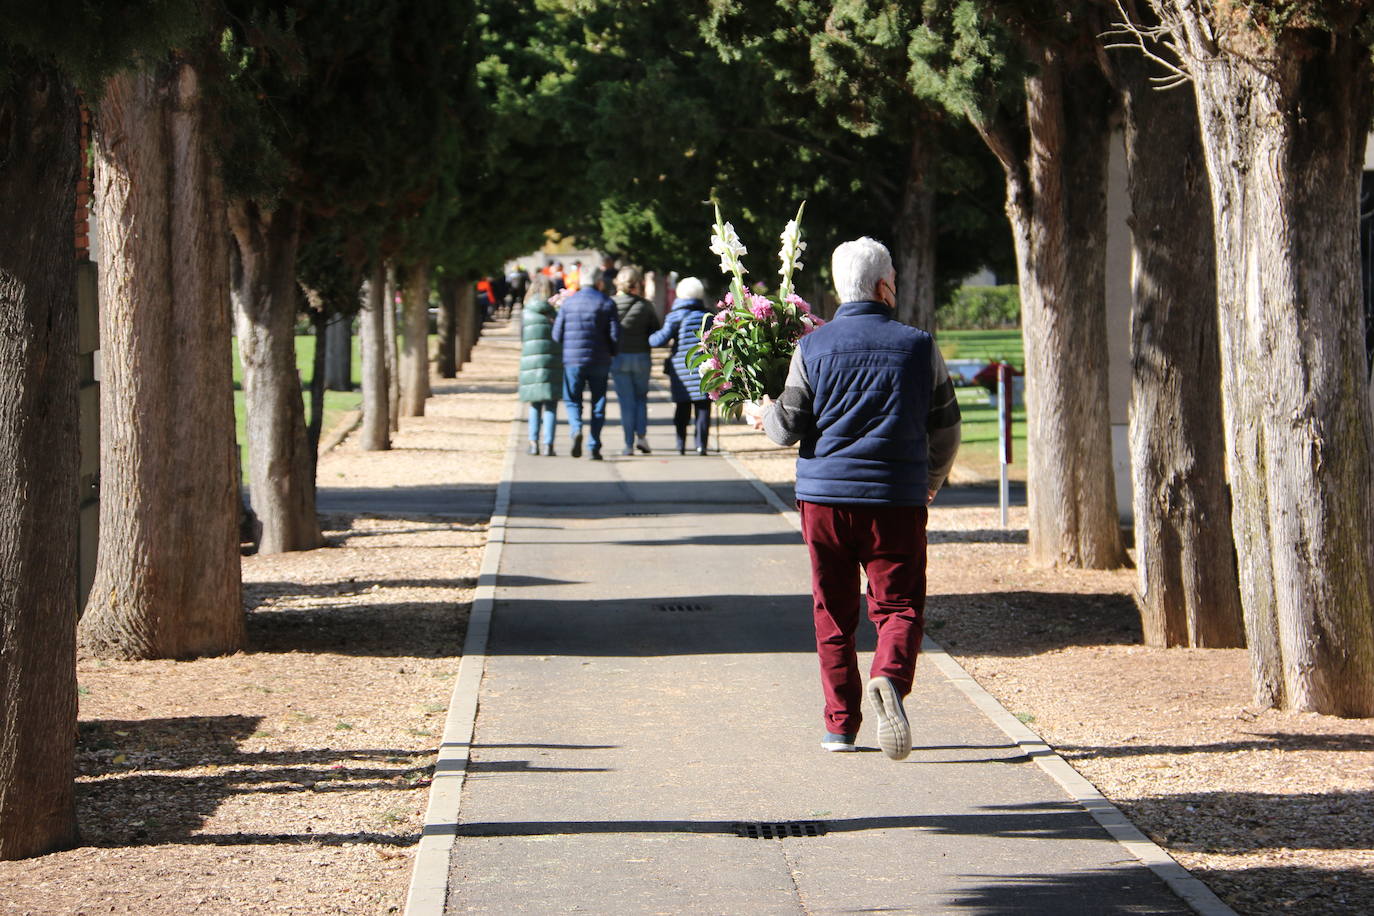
(872, 381)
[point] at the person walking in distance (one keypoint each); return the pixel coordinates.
(630, 368)
(541, 365)
(588, 329)
(871, 403)
(682, 331)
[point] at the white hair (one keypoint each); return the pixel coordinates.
(857, 267)
(690, 288)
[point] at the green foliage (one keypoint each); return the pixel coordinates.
(91, 39)
(351, 108)
(981, 308)
(840, 77)
(965, 57)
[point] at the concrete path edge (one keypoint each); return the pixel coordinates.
(428, 892)
(340, 430)
(1189, 889)
(429, 877)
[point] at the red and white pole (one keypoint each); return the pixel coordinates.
(1004, 435)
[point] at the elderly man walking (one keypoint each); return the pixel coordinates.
(871, 403)
(588, 329)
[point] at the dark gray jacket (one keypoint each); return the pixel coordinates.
(637, 321)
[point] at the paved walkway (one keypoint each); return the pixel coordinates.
(650, 692)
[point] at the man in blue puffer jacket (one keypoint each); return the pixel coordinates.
(871, 403)
(588, 328)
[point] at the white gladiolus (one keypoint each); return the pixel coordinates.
(790, 253)
(725, 243)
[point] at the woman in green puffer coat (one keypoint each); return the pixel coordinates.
(541, 364)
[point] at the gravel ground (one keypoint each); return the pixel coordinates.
(1273, 810)
(291, 778)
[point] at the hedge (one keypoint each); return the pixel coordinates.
(980, 308)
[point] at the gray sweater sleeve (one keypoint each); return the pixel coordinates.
(791, 416)
(944, 423)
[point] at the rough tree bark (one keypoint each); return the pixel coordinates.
(338, 338)
(1056, 201)
(467, 320)
(393, 374)
(1284, 123)
(447, 357)
(281, 468)
(376, 427)
(167, 581)
(314, 428)
(415, 351)
(1188, 594)
(39, 163)
(915, 233)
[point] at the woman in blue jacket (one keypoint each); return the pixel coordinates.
(682, 331)
(541, 364)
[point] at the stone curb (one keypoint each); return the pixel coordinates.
(429, 876)
(1188, 888)
(340, 430)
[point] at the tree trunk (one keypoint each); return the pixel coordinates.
(281, 467)
(167, 582)
(1189, 594)
(338, 367)
(393, 375)
(1284, 146)
(467, 320)
(376, 428)
(39, 163)
(320, 322)
(448, 327)
(915, 233)
(1056, 201)
(415, 355)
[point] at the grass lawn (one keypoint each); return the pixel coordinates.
(978, 453)
(336, 403)
(987, 345)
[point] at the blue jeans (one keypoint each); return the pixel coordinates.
(630, 371)
(548, 412)
(591, 379)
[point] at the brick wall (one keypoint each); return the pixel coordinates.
(83, 191)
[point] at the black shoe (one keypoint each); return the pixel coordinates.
(548, 449)
(596, 454)
(533, 449)
(577, 446)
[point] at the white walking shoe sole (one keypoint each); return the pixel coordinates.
(894, 733)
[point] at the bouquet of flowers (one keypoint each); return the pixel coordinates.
(746, 348)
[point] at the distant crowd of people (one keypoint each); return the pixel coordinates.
(587, 328)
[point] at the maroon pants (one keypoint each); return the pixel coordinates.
(889, 542)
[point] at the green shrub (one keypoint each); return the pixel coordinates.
(980, 308)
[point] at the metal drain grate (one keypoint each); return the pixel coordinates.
(781, 830)
(681, 607)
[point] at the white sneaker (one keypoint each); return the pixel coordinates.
(834, 742)
(894, 733)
